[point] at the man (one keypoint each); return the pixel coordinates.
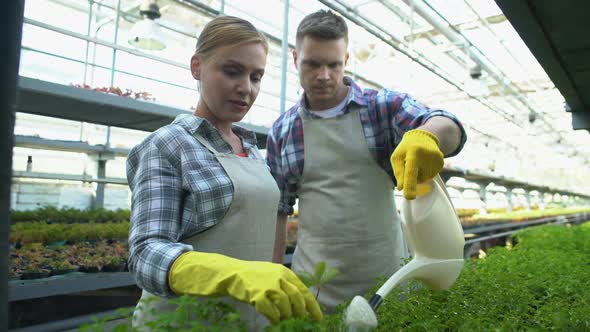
(334, 150)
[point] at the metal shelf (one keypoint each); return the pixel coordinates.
(447, 172)
(71, 103)
(33, 142)
(508, 228)
(80, 282)
(67, 284)
(479, 177)
(67, 177)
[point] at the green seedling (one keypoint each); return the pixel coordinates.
(321, 276)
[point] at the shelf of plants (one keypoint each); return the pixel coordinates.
(98, 106)
(541, 283)
(126, 109)
(66, 248)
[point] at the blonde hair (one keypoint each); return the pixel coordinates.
(227, 30)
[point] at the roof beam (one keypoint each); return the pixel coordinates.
(470, 25)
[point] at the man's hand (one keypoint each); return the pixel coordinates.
(416, 159)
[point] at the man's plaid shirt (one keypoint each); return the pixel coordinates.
(386, 116)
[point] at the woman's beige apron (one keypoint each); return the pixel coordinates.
(246, 232)
(347, 213)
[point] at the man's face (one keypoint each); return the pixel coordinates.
(321, 71)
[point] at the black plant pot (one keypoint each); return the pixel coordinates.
(88, 269)
(114, 268)
(34, 275)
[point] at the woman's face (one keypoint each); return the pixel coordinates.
(230, 81)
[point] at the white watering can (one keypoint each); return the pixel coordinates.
(435, 237)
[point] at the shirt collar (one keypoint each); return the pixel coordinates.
(356, 95)
(197, 125)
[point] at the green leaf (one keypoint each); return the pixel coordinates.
(307, 279)
(328, 275)
(320, 268)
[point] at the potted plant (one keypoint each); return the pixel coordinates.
(63, 267)
(113, 263)
(34, 271)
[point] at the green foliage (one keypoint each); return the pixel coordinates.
(52, 215)
(541, 284)
(191, 314)
(41, 232)
(521, 215)
(320, 276)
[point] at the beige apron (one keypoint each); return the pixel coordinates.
(347, 214)
(246, 232)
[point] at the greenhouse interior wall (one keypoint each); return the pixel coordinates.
(87, 95)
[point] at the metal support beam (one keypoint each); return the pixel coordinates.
(581, 120)
(66, 177)
(482, 196)
(101, 173)
(509, 203)
(527, 194)
(284, 56)
(11, 23)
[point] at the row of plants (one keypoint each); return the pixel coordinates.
(23, 234)
(52, 215)
(39, 261)
(540, 284)
(463, 213)
(522, 215)
(501, 216)
(127, 93)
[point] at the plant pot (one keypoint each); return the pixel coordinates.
(56, 243)
(31, 245)
(34, 275)
(17, 276)
(63, 271)
(88, 269)
(114, 268)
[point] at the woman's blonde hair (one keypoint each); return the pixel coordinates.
(227, 30)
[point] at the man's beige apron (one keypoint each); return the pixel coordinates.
(347, 214)
(246, 232)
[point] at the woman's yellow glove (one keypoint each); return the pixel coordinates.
(273, 290)
(415, 160)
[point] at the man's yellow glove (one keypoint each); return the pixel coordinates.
(273, 290)
(416, 159)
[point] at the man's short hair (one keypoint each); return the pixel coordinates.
(322, 25)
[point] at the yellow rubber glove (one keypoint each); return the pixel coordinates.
(416, 159)
(273, 290)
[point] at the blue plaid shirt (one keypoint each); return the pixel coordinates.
(386, 116)
(178, 189)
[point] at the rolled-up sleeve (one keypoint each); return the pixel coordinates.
(274, 161)
(409, 114)
(157, 197)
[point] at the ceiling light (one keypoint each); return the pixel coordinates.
(146, 33)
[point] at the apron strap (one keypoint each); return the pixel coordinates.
(208, 145)
(305, 115)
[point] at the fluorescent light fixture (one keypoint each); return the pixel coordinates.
(146, 33)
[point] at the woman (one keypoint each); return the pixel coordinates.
(204, 203)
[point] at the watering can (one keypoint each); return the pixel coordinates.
(435, 238)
